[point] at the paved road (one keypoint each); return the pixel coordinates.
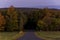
(29, 36)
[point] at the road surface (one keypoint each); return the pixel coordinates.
(29, 36)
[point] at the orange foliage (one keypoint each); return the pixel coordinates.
(2, 22)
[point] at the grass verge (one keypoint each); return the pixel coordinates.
(10, 35)
(50, 35)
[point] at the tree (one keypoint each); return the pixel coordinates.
(46, 20)
(41, 24)
(57, 23)
(12, 17)
(23, 20)
(2, 22)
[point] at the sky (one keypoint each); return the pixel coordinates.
(30, 3)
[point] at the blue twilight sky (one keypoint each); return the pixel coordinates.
(30, 3)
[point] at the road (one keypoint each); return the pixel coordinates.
(29, 35)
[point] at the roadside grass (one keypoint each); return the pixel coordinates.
(49, 35)
(10, 35)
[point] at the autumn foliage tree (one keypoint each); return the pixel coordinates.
(2, 22)
(46, 21)
(12, 17)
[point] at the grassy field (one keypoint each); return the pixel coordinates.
(49, 35)
(8, 35)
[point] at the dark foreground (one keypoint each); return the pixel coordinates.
(29, 35)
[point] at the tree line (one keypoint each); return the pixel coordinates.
(14, 20)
